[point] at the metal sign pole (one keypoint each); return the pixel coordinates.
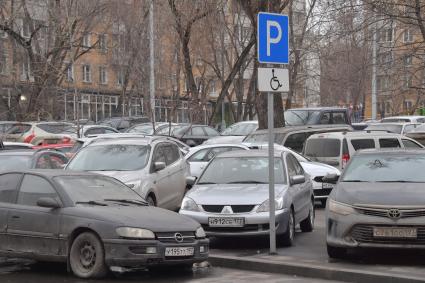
(272, 216)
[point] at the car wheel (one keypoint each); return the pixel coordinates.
(150, 200)
(287, 238)
(336, 252)
(87, 256)
(307, 225)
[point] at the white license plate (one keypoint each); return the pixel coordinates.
(226, 222)
(327, 186)
(184, 251)
(379, 232)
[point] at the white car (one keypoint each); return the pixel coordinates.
(199, 156)
(234, 133)
(412, 119)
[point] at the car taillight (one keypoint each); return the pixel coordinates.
(29, 138)
(66, 140)
(345, 159)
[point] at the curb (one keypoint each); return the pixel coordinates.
(311, 270)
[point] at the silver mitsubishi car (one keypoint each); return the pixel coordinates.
(379, 202)
(231, 196)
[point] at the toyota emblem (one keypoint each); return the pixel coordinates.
(178, 237)
(394, 213)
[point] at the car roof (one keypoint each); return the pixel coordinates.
(214, 145)
(50, 173)
(355, 134)
(249, 153)
(394, 123)
(403, 117)
(304, 128)
(401, 151)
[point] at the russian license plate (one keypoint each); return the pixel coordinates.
(384, 232)
(327, 186)
(180, 251)
(226, 222)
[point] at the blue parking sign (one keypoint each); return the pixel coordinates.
(273, 38)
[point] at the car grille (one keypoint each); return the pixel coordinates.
(383, 212)
(322, 192)
(364, 234)
(169, 237)
(235, 208)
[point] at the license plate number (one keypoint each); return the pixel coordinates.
(226, 222)
(186, 251)
(394, 232)
(327, 186)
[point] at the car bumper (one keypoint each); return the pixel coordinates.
(256, 224)
(320, 192)
(356, 231)
(132, 253)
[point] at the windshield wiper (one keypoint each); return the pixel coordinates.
(247, 182)
(397, 181)
(353, 181)
(129, 201)
(207, 183)
(92, 202)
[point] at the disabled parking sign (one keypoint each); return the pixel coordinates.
(273, 38)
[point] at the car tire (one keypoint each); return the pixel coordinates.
(151, 200)
(307, 225)
(87, 256)
(287, 238)
(336, 252)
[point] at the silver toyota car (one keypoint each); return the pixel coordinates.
(231, 196)
(379, 202)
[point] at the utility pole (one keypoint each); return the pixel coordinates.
(223, 122)
(152, 64)
(374, 70)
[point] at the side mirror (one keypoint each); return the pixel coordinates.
(330, 178)
(190, 181)
(297, 179)
(158, 166)
(48, 202)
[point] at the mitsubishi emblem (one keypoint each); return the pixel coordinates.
(227, 209)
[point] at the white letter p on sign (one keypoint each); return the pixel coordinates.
(273, 40)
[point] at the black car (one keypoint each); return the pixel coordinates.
(123, 123)
(193, 134)
(31, 159)
(92, 222)
(317, 116)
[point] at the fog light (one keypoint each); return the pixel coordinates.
(203, 249)
(151, 250)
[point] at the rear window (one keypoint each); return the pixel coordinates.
(296, 141)
(56, 128)
(363, 144)
(389, 143)
(19, 129)
(323, 148)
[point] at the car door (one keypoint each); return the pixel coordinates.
(8, 192)
(33, 229)
(160, 178)
(305, 189)
(295, 189)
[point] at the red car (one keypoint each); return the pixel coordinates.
(62, 147)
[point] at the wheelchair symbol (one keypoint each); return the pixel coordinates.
(274, 82)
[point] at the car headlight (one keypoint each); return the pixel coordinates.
(200, 233)
(340, 208)
(265, 207)
(189, 204)
(136, 233)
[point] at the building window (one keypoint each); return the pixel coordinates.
(407, 105)
(407, 81)
(407, 36)
(3, 34)
(212, 88)
(385, 35)
(120, 78)
(86, 41)
(26, 28)
(26, 70)
(103, 75)
(103, 43)
(69, 72)
(385, 58)
(3, 60)
(382, 83)
(407, 60)
(198, 82)
(86, 73)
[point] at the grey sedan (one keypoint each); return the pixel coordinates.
(231, 196)
(92, 222)
(379, 202)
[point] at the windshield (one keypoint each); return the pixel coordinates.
(143, 129)
(226, 170)
(57, 128)
(14, 162)
(384, 127)
(420, 128)
(181, 130)
(301, 117)
(395, 120)
(263, 138)
(114, 157)
(86, 188)
(240, 129)
(386, 168)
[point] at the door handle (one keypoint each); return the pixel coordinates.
(15, 217)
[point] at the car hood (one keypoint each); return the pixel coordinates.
(387, 194)
(233, 194)
(315, 169)
(123, 176)
(148, 217)
(224, 139)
